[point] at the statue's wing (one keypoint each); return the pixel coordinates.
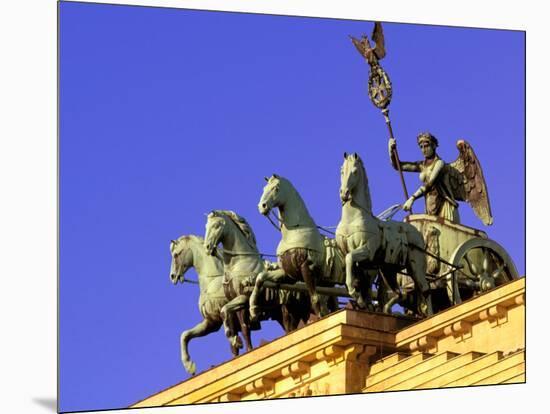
(378, 39)
(467, 182)
(361, 45)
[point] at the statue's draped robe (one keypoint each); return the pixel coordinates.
(439, 200)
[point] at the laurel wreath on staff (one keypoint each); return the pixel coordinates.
(379, 84)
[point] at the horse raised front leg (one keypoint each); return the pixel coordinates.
(230, 331)
(201, 329)
(275, 276)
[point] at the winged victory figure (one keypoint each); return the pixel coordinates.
(443, 184)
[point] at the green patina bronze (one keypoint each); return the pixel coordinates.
(373, 245)
(444, 184)
(242, 266)
(187, 252)
(426, 263)
(302, 250)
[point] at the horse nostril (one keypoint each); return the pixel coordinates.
(344, 194)
(264, 205)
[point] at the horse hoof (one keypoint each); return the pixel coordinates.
(234, 351)
(236, 343)
(361, 304)
(190, 367)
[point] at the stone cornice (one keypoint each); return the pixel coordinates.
(459, 319)
(333, 355)
(346, 332)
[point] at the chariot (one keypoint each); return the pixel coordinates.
(461, 261)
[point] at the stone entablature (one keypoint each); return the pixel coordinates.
(490, 322)
(349, 351)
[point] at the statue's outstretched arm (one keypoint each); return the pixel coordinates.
(405, 165)
(409, 166)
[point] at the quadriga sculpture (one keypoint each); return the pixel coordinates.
(369, 243)
(187, 252)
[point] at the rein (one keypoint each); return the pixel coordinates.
(194, 282)
(324, 228)
(436, 257)
(236, 253)
(360, 207)
(272, 222)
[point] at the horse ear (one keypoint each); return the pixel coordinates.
(267, 179)
(345, 155)
(275, 176)
(355, 155)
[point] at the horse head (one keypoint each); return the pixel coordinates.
(350, 176)
(215, 225)
(273, 194)
(182, 259)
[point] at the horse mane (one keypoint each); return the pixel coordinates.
(241, 224)
(292, 188)
(366, 178)
(190, 237)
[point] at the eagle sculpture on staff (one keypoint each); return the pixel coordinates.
(380, 89)
(371, 54)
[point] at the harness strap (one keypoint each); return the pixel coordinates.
(236, 253)
(272, 222)
(324, 228)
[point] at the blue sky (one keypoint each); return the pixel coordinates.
(167, 114)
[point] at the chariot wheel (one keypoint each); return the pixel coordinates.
(482, 265)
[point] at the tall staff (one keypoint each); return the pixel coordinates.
(380, 89)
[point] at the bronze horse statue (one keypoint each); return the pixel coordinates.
(242, 263)
(370, 244)
(302, 250)
(187, 252)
